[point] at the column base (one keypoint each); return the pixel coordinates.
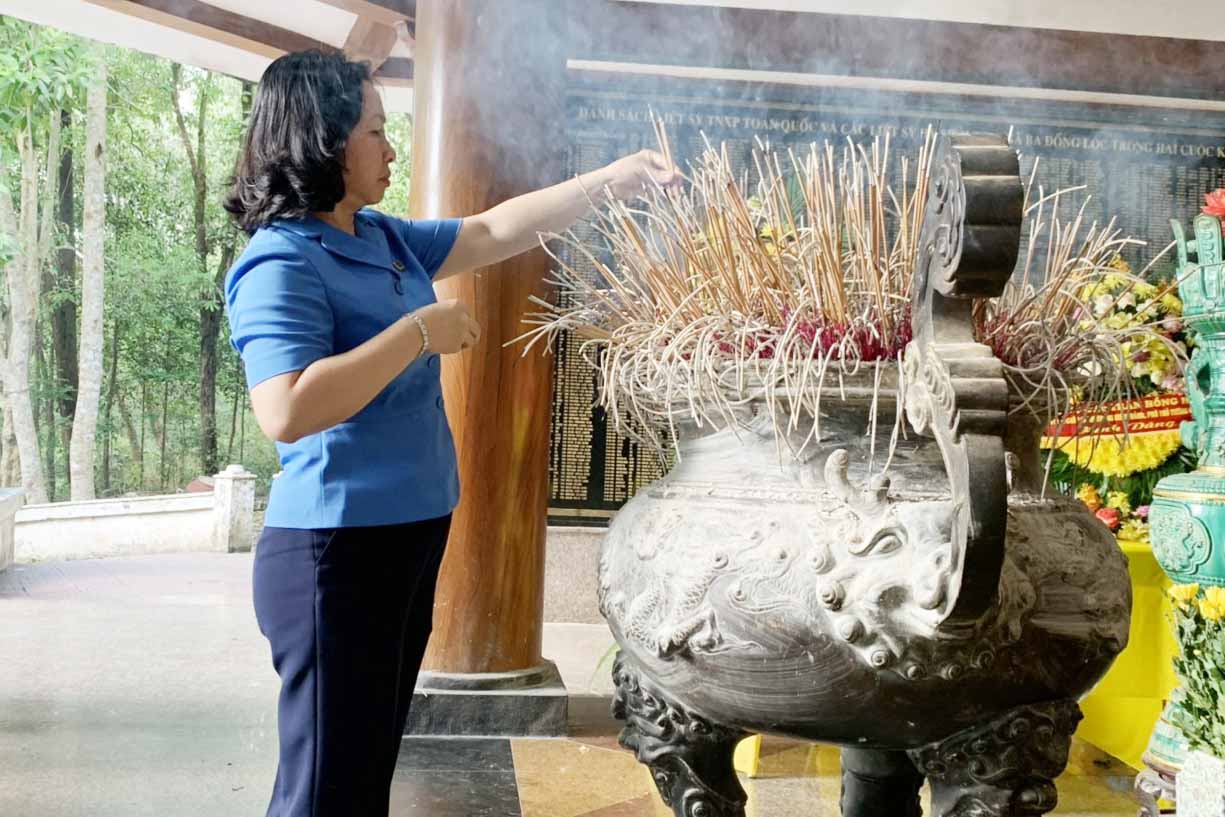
(524, 703)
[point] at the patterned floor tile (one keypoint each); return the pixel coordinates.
(563, 778)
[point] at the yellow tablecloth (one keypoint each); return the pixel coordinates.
(1121, 710)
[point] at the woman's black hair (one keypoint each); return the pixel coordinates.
(292, 158)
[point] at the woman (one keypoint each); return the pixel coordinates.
(333, 311)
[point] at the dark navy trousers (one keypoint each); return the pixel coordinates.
(347, 613)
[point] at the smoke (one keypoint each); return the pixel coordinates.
(1075, 104)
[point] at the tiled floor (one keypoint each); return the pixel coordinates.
(142, 688)
(592, 777)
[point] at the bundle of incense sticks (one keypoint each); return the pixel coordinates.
(779, 282)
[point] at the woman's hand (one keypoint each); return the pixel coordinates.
(451, 326)
(331, 390)
(631, 175)
(516, 225)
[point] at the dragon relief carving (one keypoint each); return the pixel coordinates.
(854, 562)
(670, 613)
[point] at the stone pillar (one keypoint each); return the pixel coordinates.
(11, 500)
(234, 510)
(488, 83)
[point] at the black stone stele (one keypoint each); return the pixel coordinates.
(938, 618)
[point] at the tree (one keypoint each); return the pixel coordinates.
(39, 76)
(85, 420)
(170, 384)
(62, 287)
(22, 278)
(210, 314)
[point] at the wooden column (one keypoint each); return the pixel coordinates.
(489, 80)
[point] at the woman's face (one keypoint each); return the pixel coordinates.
(368, 154)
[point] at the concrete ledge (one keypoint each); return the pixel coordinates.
(107, 508)
(115, 527)
(220, 521)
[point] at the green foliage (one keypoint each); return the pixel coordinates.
(399, 131)
(40, 70)
(154, 281)
(9, 247)
(1201, 670)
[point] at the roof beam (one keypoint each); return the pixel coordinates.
(387, 12)
(371, 42)
(368, 40)
(212, 23)
(397, 68)
(883, 48)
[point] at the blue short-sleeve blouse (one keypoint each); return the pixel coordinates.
(304, 290)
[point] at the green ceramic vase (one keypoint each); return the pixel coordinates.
(1187, 517)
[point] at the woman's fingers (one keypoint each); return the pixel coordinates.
(659, 169)
(472, 335)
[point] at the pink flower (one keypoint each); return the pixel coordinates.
(1215, 203)
(1141, 512)
(1109, 517)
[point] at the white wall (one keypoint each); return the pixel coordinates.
(221, 521)
(115, 527)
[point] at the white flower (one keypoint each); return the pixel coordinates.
(1102, 304)
(1127, 300)
(1091, 368)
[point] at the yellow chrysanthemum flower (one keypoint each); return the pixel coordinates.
(1159, 366)
(1147, 312)
(1143, 291)
(1184, 594)
(1119, 500)
(1112, 283)
(1211, 610)
(772, 247)
(1107, 284)
(1171, 303)
(1216, 595)
(1088, 494)
(1120, 456)
(1133, 530)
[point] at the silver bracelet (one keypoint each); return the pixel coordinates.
(425, 336)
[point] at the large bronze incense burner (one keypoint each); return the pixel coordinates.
(939, 619)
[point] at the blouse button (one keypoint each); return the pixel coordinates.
(438, 402)
(432, 361)
(397, 265)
